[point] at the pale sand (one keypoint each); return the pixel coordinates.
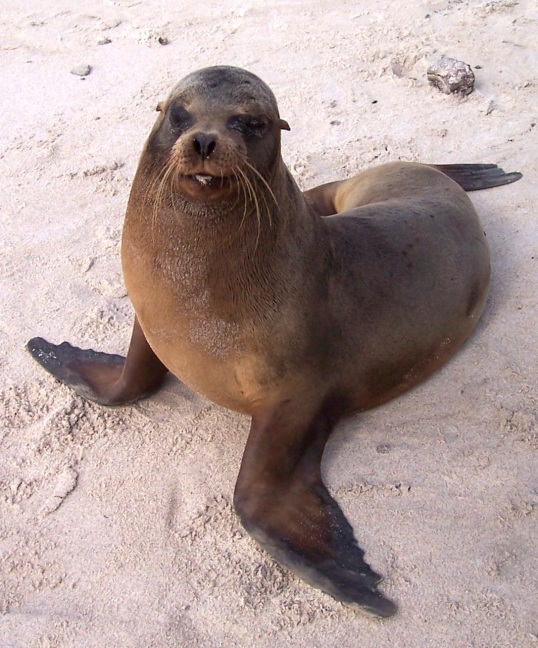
(116, 525)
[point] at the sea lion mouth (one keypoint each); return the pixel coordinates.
(206, 180)
(206, 187)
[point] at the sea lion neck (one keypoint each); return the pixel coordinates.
(249, 227)
(243, 258)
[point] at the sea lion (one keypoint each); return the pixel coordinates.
(296, 309)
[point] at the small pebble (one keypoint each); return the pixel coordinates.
(104, 41)
(451, 76)
(152, 37)
(81, 70)
(397, 69)
(111, 23)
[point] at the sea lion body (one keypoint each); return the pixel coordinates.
(370, 300)
(296, 309)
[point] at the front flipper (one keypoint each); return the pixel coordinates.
(284, 505)
(105, 378)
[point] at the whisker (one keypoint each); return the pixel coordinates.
(268, 187)
(259, 175)
(241, 179)
(258, 216)
(159, 197)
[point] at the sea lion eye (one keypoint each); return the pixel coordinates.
(248, 126)
(180, 120)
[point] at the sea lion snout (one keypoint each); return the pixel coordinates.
(204, 144)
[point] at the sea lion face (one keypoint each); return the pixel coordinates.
(218, 131)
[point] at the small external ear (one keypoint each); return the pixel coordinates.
(283, 125)
(160, 107)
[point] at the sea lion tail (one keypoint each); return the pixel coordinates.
(472, 177)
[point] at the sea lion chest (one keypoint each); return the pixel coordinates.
(198, 322)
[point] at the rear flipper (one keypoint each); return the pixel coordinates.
(283, 503)
(472, 177)
(107, 379)
(305, 530)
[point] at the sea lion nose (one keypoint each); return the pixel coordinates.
(204, 144)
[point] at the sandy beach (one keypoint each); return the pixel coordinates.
(116, 525)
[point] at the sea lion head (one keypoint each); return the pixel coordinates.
(217, 135)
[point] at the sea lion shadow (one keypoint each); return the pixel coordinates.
(502, 235)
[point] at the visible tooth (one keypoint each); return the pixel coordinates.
(204, 179)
